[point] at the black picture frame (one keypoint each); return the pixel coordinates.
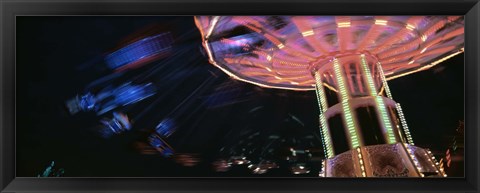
(9, 9)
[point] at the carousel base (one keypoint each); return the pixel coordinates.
(387, 160)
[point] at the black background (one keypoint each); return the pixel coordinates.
(50, 49)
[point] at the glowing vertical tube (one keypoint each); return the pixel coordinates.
(386, 122)
(397, 106)
(385, 119)
(361, 162)
(384, 81)
(349, 119)
(404, 124)
(324, 130)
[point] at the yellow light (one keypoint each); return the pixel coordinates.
(269, 58)
(277, 77)
(384, 80)
(447, 57)
(411, 62)
(404, 124)
(423, 50)
(381, 22)
(268, 69)
(344, 24)
(280, 46)
(424, 37)
(214, 23)
(410, 27)
(307, 33)
(295, 83)
(426, 66)
(330, 87)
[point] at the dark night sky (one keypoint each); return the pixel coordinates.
(50, 51)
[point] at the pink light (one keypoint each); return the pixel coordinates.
(396, 41)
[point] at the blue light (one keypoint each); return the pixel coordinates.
(118, 124)
(143, 48)
(129, 94)
(87, 102)
(111, 98)
(167, 152)
(123, 120)
(162, 147)
(156, 142)
(166, 127)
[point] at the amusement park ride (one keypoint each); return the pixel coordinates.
(347, 61)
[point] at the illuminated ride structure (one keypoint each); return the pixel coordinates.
(347, 61)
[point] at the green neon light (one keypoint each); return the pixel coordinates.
(320, 93)
(346, 106)
(386, 119)
(397, 106)
(317, 92)
(368, 75)
(324, 130)
(326, 136)
(379, 101)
